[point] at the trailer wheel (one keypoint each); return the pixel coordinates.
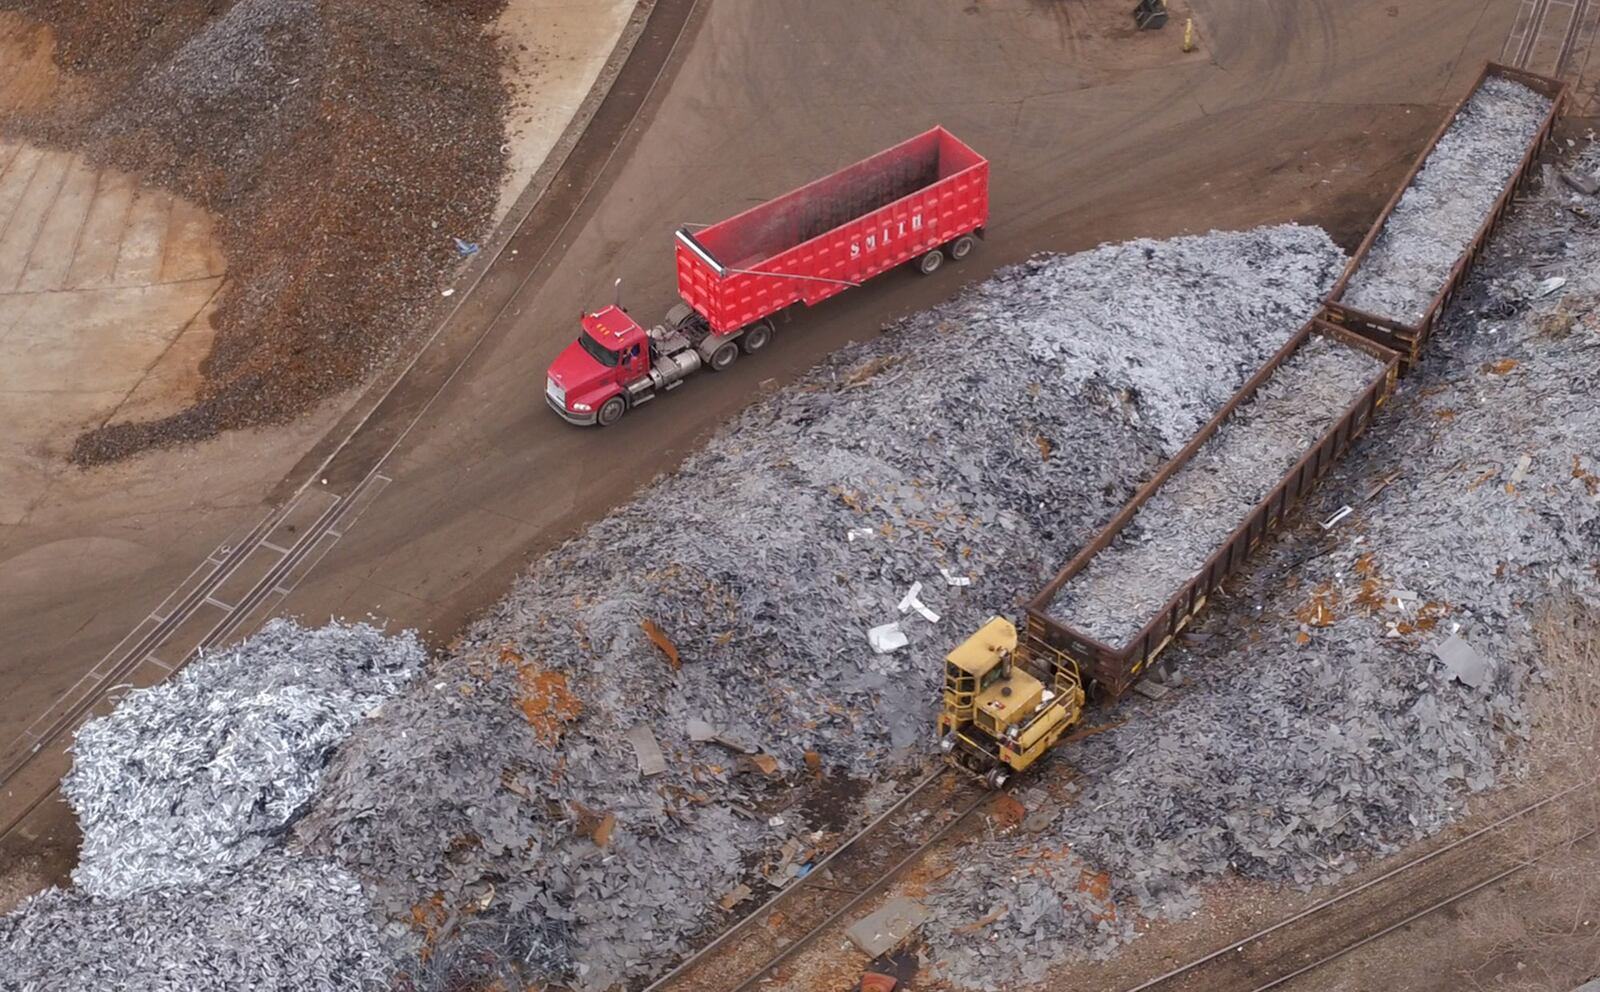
(611, 411)
(724, 356)
(997, 778)
(755, 337)
(961, 247)
(929, 263)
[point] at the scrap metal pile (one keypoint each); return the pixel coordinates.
(1361, 682)
(185, 794)
(602, 751)
(1448, 200)
(281, 922)
(1171, 536)
(202, 772)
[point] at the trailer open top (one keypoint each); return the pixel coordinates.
(834, 233)
(1398, 332)
(1155, 581)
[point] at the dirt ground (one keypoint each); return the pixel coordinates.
(343, 147)
(1095, 134)
(106, 289)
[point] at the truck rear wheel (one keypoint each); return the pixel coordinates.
(929, 263)
(961, 247)
(611, 411)
(755, 337)
(724, 356)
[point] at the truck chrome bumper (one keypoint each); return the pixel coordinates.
(578, 419)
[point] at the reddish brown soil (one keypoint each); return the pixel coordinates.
(344, 144)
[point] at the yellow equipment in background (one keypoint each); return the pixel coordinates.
(1002, 708)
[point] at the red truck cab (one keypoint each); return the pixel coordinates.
(611, 352)
(921, 201)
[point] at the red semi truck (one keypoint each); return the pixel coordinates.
(922, 200)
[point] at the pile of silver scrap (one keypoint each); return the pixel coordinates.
(1359, 684)
(204, 771)
(1169, 539)
(1441, 211)
(607, 747)
(284, 923)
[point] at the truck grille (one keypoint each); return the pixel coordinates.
(555, 392)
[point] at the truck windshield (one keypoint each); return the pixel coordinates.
(599, 352)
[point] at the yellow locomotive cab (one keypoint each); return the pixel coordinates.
(1003, 709)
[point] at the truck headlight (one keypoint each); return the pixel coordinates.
(582, 407)
(947, 743)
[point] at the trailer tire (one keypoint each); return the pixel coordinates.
(755, 337)
(960, 248)
(997, 778)
(929, 264)
(611, 411)
(724, 356)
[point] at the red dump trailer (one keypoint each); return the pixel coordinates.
(922, 201)
(1407, 337)
(1114, 667)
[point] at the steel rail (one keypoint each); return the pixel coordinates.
(1570, 41)
(1334, 900)
(1420, 914)
(1530, 38)
(763, 911)
(263, 587)
(868, 890)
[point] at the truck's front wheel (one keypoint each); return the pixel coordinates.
(611, 411)
(724, 356)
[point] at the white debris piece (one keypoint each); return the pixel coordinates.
(912, 601)
(887, 637)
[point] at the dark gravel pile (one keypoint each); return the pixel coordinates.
(344, 144)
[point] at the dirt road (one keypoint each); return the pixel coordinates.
(1096, 133)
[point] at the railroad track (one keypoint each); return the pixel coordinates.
(1332, 928)
(820, 903)
(233, 591)
(1545, 36)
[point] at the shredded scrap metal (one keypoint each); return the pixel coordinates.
(204, 771)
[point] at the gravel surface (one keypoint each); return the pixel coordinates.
(987, 438)
(1448, 201)
(203, 772)
(283, 924)
(1316, 725)
(344, 144)
(1178, 528)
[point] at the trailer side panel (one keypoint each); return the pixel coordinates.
(1395, 332)
(1115, 667)
(834, 233)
